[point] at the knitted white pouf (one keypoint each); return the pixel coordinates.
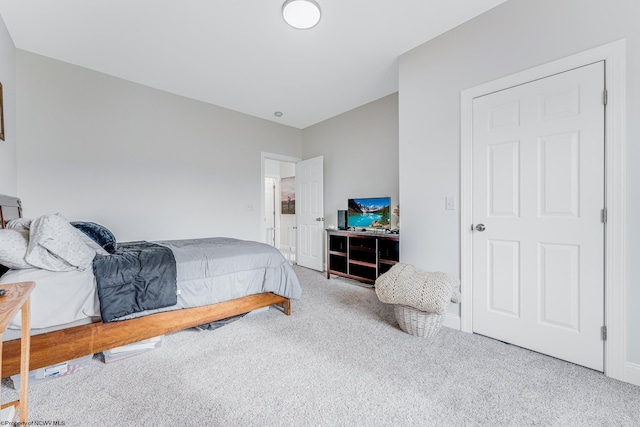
(404, 284)
(417, 322)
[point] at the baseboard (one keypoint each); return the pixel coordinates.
(632, 373)
(451, 321)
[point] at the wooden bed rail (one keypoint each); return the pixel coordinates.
(59, 346)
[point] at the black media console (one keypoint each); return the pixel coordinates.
(359, 255)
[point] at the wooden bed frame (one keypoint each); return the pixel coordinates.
(66, 344)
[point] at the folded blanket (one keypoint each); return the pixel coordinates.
(426, 291)
(139, 276)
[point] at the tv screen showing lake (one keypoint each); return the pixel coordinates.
(371, 212)
(364, 220)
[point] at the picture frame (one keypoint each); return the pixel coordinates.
(288, 195)
(1, 114)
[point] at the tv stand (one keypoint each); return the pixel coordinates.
(361, 255)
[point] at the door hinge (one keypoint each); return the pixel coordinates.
(603, 333)
(605, 97)
(604, 215)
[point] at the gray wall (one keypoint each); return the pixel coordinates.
(360, 149)
(8, 171)
(515, 36)
(145, 163)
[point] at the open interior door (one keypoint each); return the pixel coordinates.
(310, 213)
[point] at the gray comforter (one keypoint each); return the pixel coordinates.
(213, 270)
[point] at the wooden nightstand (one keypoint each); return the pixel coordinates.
(16, 298)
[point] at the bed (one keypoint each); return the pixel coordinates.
(215, 279)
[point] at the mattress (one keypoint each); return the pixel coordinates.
(59, 297)
(209, 271)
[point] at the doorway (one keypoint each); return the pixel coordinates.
(615, 310)
(279, 201)
(272, 210)
(538, 198)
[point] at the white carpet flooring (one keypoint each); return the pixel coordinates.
(338, 360)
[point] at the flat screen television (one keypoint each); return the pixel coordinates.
(369, 213)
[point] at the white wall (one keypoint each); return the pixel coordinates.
(145, 163)
(360, 149)
(515, 36)
(8, 172)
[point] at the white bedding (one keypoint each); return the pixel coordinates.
(59, 297)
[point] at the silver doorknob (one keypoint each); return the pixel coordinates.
(319, 219)
(480, 227)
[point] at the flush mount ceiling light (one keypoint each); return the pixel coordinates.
(301, 14)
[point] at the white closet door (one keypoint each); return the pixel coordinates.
(538, 243)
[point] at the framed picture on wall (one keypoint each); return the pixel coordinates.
(1, 115)
(288, 195)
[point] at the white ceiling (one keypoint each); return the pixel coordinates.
(240, 54)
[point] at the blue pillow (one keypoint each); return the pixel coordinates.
(99, 234)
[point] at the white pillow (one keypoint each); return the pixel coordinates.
(13, 248)
(55, 245)
(19, 224)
